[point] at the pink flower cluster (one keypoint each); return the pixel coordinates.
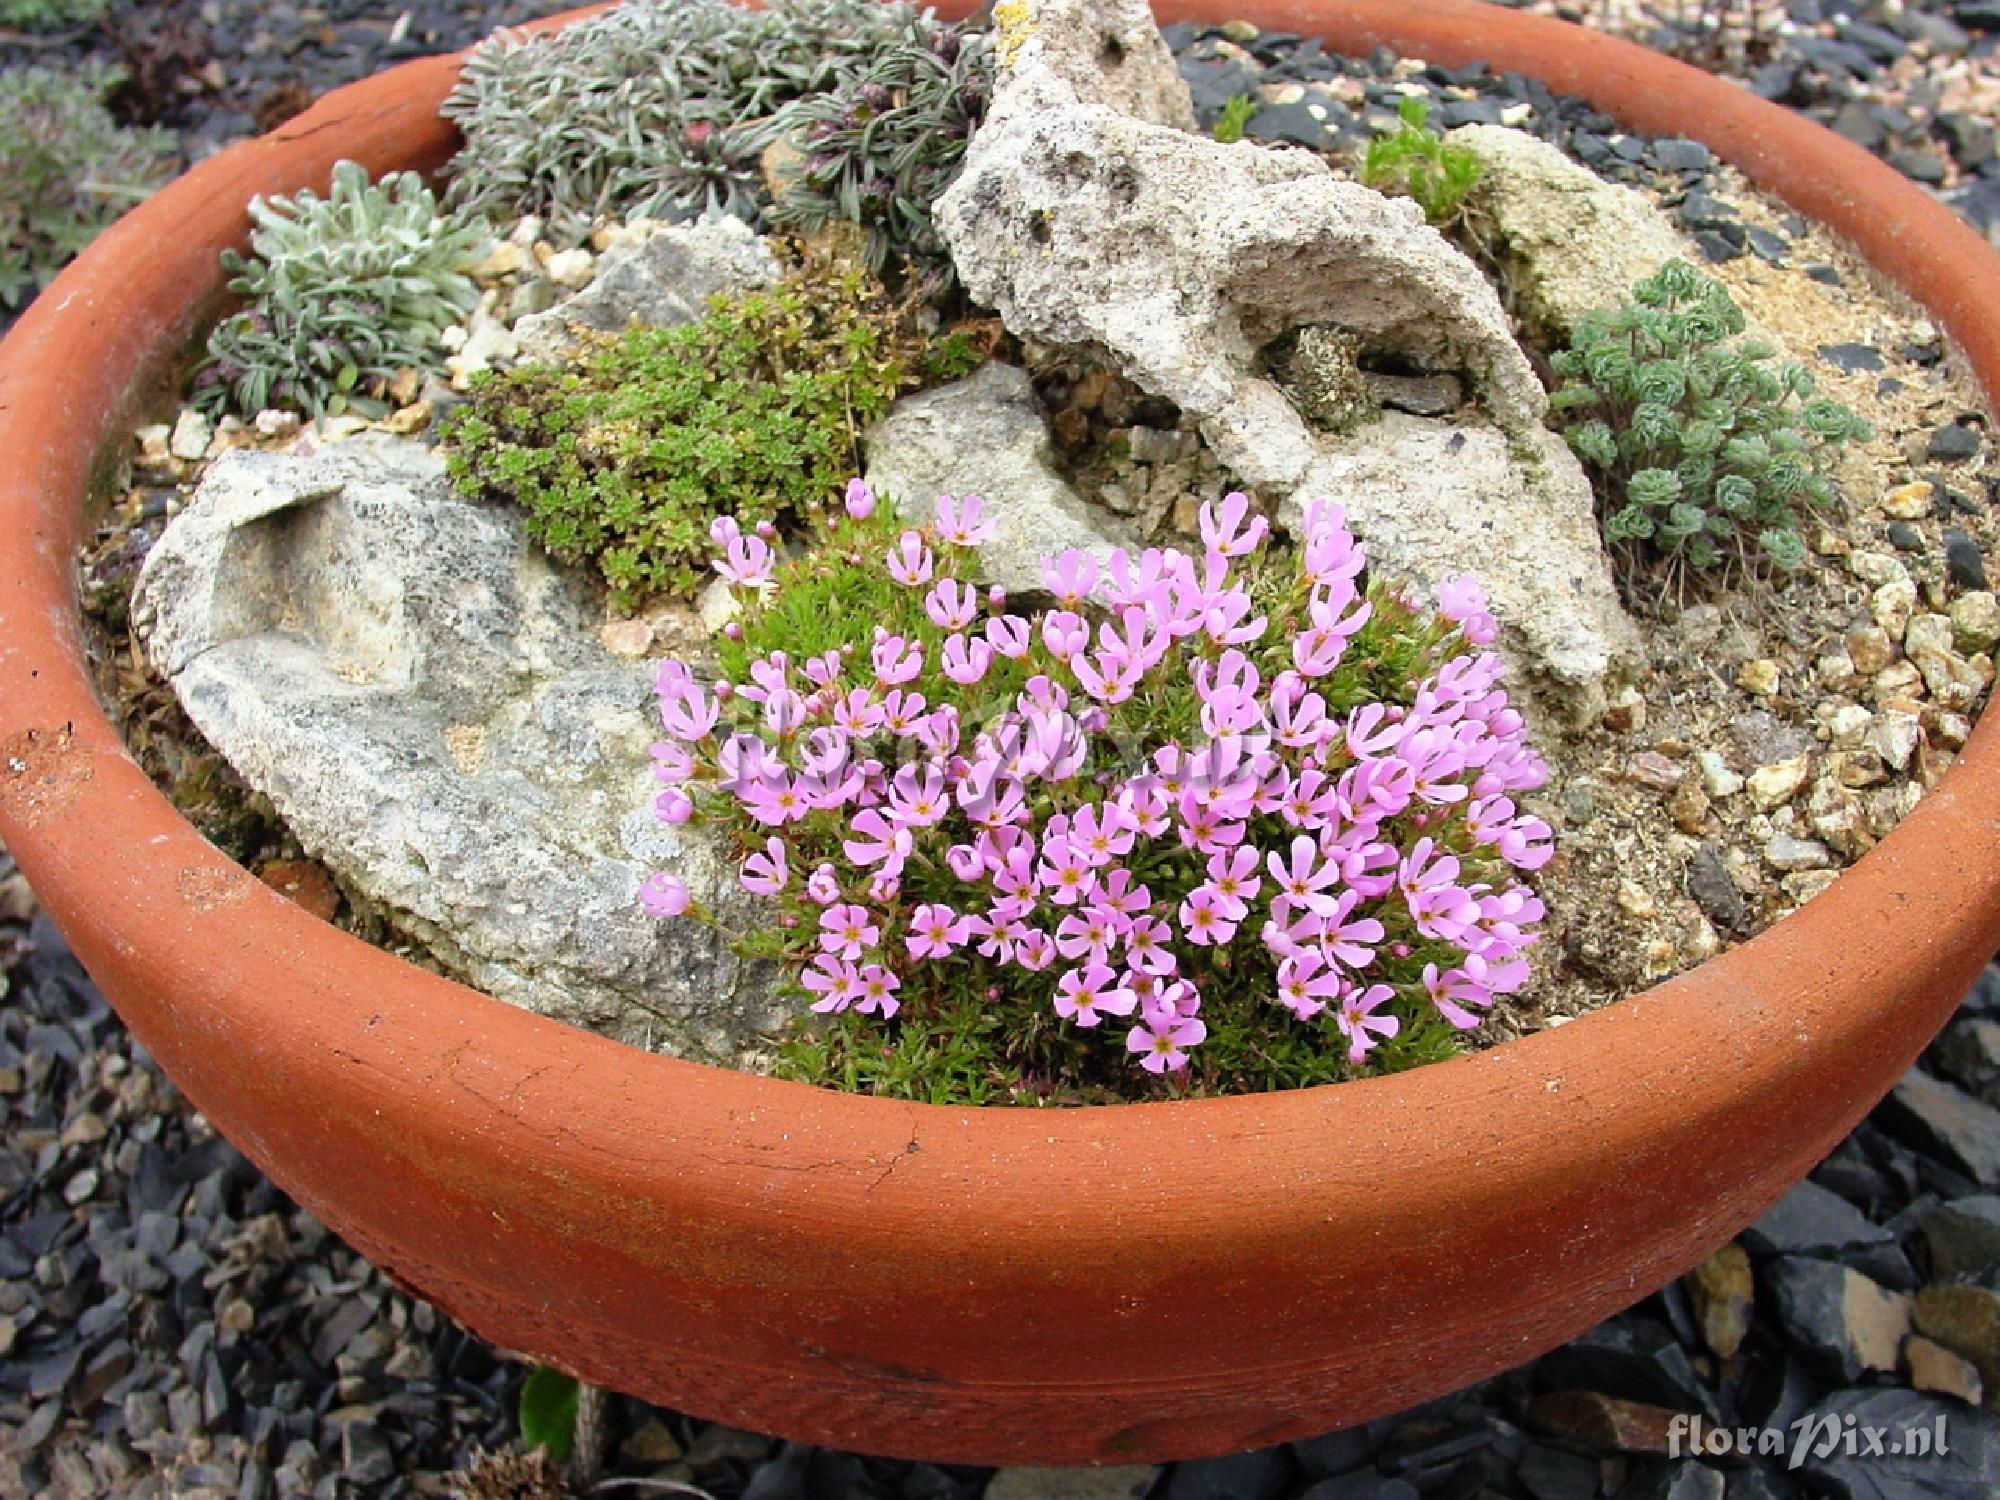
(1160, 785)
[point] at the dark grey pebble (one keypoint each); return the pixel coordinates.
(1963, 563)
(1853, 358)
(1767, 245)
(1677, 155)
(1263, 1474)
(1953, 443)
(1810, 1220)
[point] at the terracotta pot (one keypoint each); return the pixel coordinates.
(1133, 1283)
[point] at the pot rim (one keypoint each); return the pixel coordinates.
(919, 1279)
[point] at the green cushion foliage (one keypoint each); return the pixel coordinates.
(1704, 448)
(69, 170)
(959, 1041)
(341, 294)
(622, 460)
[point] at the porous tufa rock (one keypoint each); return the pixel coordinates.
(985, 436)
(1093, 221)
(1566, 240)
(428, 705)
(1435, 499)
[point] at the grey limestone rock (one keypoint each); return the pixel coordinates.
(985, 436)
(1567, 240)
(653, 276)
(426, 702)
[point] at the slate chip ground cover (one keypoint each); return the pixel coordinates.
(123, 1372)
(172, 1325)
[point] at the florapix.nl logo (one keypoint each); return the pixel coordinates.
(1813, 1436)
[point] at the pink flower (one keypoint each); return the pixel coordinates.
(1065, 635)
(1359, 1022)
(957, 522)
(774, 800)
(1102, 833)
(672, 764)
(748, 563)
(822, 886)
(1203, 921)
(766, 874)
(1119, 892)
(936, 931)
(1347, 938)
(879, 842)
(1234, 882)
(951, 605)
(1087, 995)
(1065, 873)
(1070, 575)
(1035, 951)
(1304, 879)
(895, 659)
(903, 713)
(1146, 946)
(910, 560)
(665, 896)
(1439, 906)
(1306, 982)
(878, 992)
(1008, 636)
(837, 983)
(1332, 555)
(858, 713)
(1149, 587)
(1226, 534)
(673, 806)
(688, 713)
(847, 930)
(860, 500)
(1463, 601)
(966, 658)
(723, 530)
(1107, 678)
(1161, 1043)
(1089, 933)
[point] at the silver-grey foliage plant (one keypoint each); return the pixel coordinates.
(341, 293)
(657, 109)
(879, 147)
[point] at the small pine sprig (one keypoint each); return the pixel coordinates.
(1414, 161)
(883, 142)
(341, 294)
(1704, 448)
(1236, 821)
